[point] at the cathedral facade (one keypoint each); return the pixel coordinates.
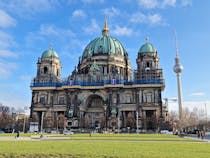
(103, 92)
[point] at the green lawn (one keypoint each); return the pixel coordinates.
(107, 146)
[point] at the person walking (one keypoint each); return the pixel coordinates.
(17, 135)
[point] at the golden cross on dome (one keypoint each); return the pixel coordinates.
(105, 30)
(51, 45)
(147, 39)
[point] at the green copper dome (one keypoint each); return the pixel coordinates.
(147, 48)
(49, 53)
(105, 44)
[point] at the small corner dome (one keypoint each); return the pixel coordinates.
(147, 48)
(49, 53)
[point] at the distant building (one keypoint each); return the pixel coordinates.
(102, 92)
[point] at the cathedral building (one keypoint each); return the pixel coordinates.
(103, 91)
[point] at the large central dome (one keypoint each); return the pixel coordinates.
(106, 55)
(104, 45)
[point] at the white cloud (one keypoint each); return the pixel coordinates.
(15, 98)
(148, 4)
(92, 1)
(7, 53)
(92, 28)
(51, 30)
(6, 40)
(122, 31)
(200, 105)
(26, 8)
(78, 13)
(185, 3)
(138, 18)
(6, 69)
(197, 94)
(152, 19)
(25, 78)
(171, 3)
(151, 4)
(6, 20)
(110, 12)
(48, 33)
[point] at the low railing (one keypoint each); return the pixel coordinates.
(96, 83)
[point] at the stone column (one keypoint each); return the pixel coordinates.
(137, 100)
(81, 114)
(124, 119)
(118, 120)
(68, 102)
(160, 102)
(105, 114)
(118, 97)
(48, 97)
(145, 119)
(142, 96)
(32, 104)
(110, 102)
(76, 101)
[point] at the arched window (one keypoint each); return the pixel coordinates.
(148, 64)
(61, 100)
(45, 70)
(100, 49)
(57, 72)
(42, 100)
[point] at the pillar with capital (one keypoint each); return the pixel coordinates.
(81, 118)
(105, 114)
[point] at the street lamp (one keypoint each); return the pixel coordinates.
(105, 108)
(118, 118)
(137, 122)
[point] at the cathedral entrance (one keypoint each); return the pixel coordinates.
(95, 113)
(151, 121)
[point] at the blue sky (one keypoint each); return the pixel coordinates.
(27, 27)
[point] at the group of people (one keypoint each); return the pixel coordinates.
(201, 134)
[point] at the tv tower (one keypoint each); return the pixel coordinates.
(178, 70)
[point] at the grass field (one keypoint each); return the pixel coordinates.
(106, 146)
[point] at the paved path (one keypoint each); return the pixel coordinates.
(37, 138)
(205, 140)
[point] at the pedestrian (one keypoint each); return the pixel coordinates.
(18, 134)
(198, 134)
(202, 134)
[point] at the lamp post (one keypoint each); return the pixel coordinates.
(13, 121)
(42, 121)
(137, 122)
(118, 122)
(105, 108)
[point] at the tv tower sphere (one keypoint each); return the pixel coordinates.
(177, 67)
